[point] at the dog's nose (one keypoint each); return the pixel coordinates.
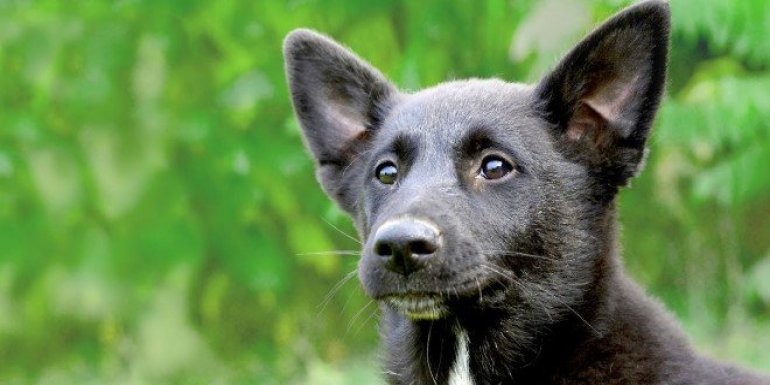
(406, 244)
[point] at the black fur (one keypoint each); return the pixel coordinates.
(528, 267)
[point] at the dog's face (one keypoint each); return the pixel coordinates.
(478, 193)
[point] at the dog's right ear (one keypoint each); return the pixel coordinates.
(339, 100)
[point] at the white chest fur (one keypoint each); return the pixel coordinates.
(461, 371)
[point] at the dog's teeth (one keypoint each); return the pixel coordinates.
(418, 308)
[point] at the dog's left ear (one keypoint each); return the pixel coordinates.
(603, 96)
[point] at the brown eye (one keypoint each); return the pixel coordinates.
(386, 173)
(494, 167)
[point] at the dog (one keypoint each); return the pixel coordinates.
(487, 211)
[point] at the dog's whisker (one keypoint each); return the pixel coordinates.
(358, 314)
(478, 285)
(494, 277)
(336, 288)
(356, 157)
(391, 373)
(508, 276)
(547, 310)
(427, 354)
(497, 280)
(372, 314)
(354, 239)
(563, 303)
(347, 302)
(331, 252)
(508, 253)
(512, 279)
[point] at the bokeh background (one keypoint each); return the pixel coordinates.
(160, 222)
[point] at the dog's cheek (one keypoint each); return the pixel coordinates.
(521, 206)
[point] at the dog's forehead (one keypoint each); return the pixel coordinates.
(446, 112)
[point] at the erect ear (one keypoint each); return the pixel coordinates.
(603, 96)
(339, 100)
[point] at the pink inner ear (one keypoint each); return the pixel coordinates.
(606, 107)
(612, 101)
(348, 121)
(587, 126)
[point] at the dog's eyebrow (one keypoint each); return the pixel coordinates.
(475, 139)
(403, 146)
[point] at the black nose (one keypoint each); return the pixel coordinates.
(406, 244)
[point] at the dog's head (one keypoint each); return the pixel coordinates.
(476, 193)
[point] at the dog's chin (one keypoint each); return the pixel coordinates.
(418, 307)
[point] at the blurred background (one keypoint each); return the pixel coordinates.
(160, 222)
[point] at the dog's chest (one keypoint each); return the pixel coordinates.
(460, 374)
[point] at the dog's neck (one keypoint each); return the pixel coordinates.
(488, 347)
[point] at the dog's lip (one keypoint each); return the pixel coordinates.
(418, 306)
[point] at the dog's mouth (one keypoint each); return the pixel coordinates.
(418, 307)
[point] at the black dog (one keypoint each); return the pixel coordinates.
(488, 212)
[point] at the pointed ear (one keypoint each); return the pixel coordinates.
(339, 100)
(603, 96)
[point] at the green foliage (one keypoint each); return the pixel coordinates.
(737, 29)
(159, 219)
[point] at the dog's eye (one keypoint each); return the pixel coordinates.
(386, 173)
(494, 167)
